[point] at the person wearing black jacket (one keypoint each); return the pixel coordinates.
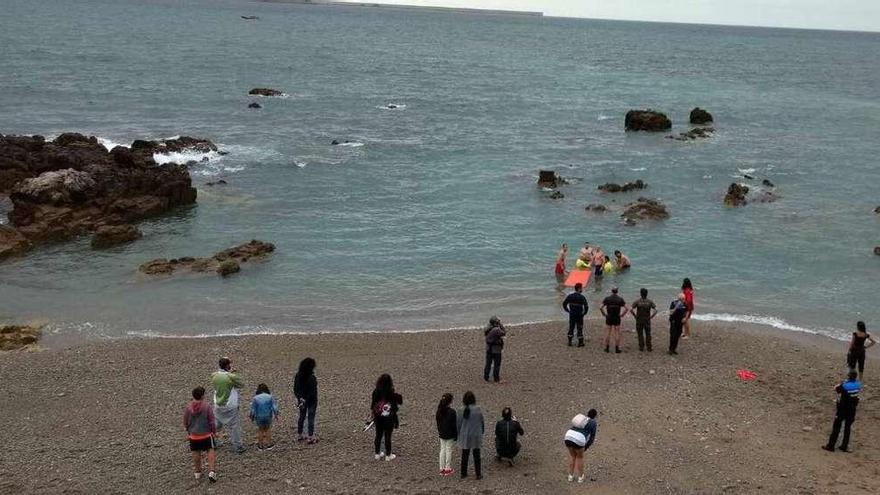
(384, 405)
(506, 431)
(305, 389)
(847, 403)
(494, 344)
(447, 428)
(575, 304)
(677, 312)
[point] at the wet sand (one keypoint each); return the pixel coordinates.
(107, 417)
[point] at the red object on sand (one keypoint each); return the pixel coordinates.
(746, 375)
(578, 277)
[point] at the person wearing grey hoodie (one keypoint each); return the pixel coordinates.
(470, 433)
(494, 333)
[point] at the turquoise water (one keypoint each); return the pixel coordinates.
(435, 221)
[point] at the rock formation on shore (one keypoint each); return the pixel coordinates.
(646, 120)
(73, 185)
(611, 187)
(700, 117)
(13, 337)
(265, 92)
(224, 263)
(644, 209)
(113, 235)
(12, 243)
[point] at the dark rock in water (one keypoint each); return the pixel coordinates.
(249, 17)
(177, 145)
(12, 243)
(14, 337)
(228, 267)
(255, 105)
(646, 120)
(700, 116)
(334, 142)
(736, 195)
(645, 209)
(222, 262)
(596, 208)
(220, 182)
(114, 235)
(747, 176)
(877, 250)
(557, 195)
(265, 92)
(767, 183)
(549, 178)
(696, 133)
(391, 106)
(629, 186)
(877, 210)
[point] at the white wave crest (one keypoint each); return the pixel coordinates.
(770, 321)
(392, 106)
(110, 144)
(352, 144)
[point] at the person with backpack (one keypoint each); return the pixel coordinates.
(305, 389)
(471, 427)
(507, 429)
(447, 428)
(198, 420)
(494, 333)
(578, 439)
(384, 406)
(575, 304)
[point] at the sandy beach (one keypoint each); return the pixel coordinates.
(106, 417)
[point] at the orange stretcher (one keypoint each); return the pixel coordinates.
(578, 277)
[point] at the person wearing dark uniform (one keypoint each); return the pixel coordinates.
(575, 304)
(644, 310)
(677, 312)
(847, 402)
(856, 355)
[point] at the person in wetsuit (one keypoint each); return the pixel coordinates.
(575, 304)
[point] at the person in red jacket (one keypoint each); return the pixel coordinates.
(198, 420)
(688, 290)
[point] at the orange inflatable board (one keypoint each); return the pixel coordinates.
(578, 277)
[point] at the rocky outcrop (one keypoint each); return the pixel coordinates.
(14, 337)
(265, 92)
(225, 262)
(113, 235)
(877, 250)
(644, 209)
(556, 195)
(877, 210)
(736, 195)
(700, 117)
(646, 120)
(550, 179)
(73, 185)
(611, 187)
(596, 208)
(12, 243)
(695, 133)
(767, 183)
(255, 105)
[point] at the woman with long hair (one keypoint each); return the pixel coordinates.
(305, 389)
(687, 288)
(860, 341)
(447, 428)
(384, 405)
(470, 433)
(577, 440)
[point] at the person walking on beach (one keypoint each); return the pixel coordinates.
(447, 429)
(305, 389)
(560, 265)
(494, 334)
(644, 310)
(470, 433)
(227, 391)
(198, 420)
(575, 304)
(507, 429)
(622, 260)
(677, 313)
(264, 408)
(578, 439)
(847, 402)
(856, 355)
(384, 406)
(613, 309)
(688, 290)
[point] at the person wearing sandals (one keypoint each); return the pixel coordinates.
(578, 439)
(305, 389)
(447, 428)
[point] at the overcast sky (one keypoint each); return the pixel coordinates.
(860, 15)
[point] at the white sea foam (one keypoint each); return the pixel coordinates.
(110, 144)
(602, 117)
(351, 144)
(770, 321)
(747, 170)
(186, 156)
(392, 106)
(639, 169)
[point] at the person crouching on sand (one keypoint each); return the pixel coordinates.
(578, 439)
(198, 420)
(447, 429)
(384, 406)
(264, 408)
(494, 333)
(507, 429)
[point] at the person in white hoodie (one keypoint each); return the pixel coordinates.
(578, 439)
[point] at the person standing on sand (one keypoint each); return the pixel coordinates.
(198, 420)
(644, 310)
(578, 439)
(856, 355)
(677, 313)
(494, 333)
(227, 392)
(507, 429)
(847, 402)
(384, 406)
(575, 304)
(264, 408)
(447, 428)
(470, 433)
(688, 290)
(305, 389)
(613, 309)
(622, 260)
(560, 265)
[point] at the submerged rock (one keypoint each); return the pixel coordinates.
(549, 178)
(877, 210)
(265, 92)
(596, 208)
(736, 195)
(228, 267)
(12, 243)
(221, 262)
(255, 105)
(645, 209)
(557, 195)
(646, 120)
(696, 133)
(699, 116)
(629, 186)
(13, 337)
(220, 182)
(180, 144)
(114, 235)
(877, 250)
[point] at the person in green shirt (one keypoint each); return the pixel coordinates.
(227, 386)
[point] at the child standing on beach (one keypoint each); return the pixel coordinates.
(198, 420)
(448, 430)
(264, 409)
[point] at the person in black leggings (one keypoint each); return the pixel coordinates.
(856, 355)
(383, 407)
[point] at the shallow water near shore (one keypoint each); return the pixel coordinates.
(430, 217)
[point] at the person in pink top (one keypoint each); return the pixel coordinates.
(688, 290)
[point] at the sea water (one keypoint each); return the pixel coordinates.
(430, 216)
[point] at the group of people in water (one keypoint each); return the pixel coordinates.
(591, 258)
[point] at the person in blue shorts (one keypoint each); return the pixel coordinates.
(264, 409)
